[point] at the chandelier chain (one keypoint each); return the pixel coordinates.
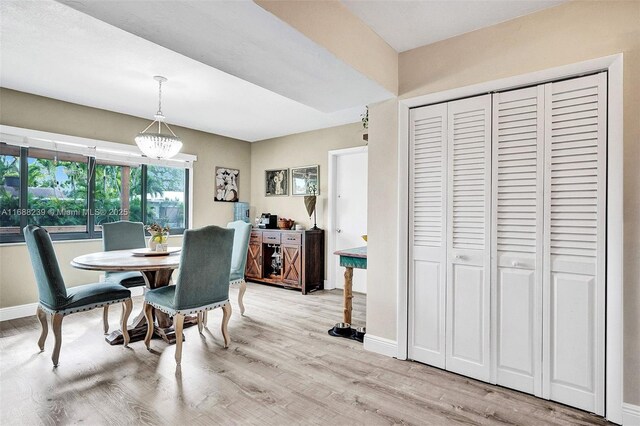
(159, 97)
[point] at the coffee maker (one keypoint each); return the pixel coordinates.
(268, 221)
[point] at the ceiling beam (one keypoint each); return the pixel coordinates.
(331, 25)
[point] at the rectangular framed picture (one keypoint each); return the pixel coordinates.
(276, 183)
(305, 180)
(227, 184)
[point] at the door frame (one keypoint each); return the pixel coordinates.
(615, 233)
(331, 199)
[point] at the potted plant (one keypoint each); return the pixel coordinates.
(159, 235)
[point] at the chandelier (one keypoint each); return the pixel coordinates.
(159, 145)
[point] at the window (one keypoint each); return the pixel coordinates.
(57, 191)
(72, 195)
(166, 196)
(9, 189)
(117, 193)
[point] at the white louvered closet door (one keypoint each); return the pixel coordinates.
(518, 165)
(468, 237)
(574, 258)
(427, 236)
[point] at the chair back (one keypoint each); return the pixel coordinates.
(205, 263)
(240, 246)
(123, 235)
(51, 288)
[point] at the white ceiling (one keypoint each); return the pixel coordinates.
(234, 69)
(53, 50)
(407, 24)
(244, 40)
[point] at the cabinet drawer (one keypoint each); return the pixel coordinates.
(291, 238)
(271, 237)
(256, 237)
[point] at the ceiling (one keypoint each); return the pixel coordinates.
(407, 24)
(233, 68)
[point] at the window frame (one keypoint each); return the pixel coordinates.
(90, 232)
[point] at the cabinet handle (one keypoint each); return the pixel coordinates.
(515, 264)
(459, 257)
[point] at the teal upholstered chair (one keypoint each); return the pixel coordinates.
(122, 235)
(202, 284)
(57, 300)
(239, 257)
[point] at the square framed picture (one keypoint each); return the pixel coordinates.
(276, 183)
(305, 180)
(227, 184)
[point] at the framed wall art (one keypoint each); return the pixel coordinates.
(227, 184)
(276, 182)
(305, 180)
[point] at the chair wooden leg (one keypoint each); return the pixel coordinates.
(127, 306)
(42, 317)
(226, 314)
(105, 319)
(148, 314)
(205, 316)
(243, 288)
(178, 323)
(200, 321)
(56, 324)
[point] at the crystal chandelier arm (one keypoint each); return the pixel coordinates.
(152, 123)
(167, 126)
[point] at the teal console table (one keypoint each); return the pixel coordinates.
(350, 258)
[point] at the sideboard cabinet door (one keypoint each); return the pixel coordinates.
(254, 260)
(291, 263)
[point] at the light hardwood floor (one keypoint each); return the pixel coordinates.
(281, 368)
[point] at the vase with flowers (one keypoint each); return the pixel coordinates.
(159, 235)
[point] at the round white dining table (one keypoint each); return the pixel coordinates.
(156, 270)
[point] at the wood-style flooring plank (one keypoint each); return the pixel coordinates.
(281, 368)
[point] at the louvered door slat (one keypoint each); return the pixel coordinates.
(469, 177)
(427, 248)
(517, 238)
(575, 179)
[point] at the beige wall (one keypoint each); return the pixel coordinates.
(569, 33)
(382, 220)
(301, 149)
(17, 284)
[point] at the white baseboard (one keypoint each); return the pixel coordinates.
(20, 311)
(328, 285)
(630, 414)
(28, 310)
(380, 345)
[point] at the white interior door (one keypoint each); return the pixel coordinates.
(468, 237)
(351, 213)
(427, 235)
(518, 165)
(574, 258)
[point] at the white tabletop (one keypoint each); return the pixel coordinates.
(124, 260)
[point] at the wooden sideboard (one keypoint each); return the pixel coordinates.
(302, 258)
